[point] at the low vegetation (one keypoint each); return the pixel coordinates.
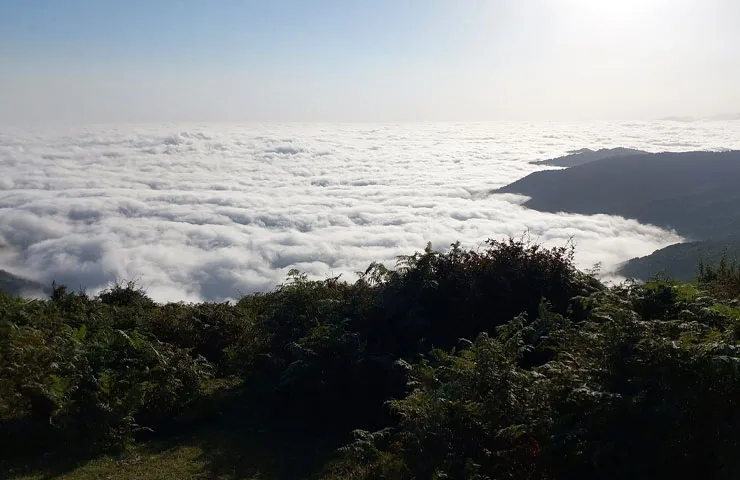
(501, 362)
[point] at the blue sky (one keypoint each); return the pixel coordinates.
(320, 60)
(224, 35)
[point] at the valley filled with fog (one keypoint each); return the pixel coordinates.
(213, 211)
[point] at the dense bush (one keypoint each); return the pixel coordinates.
(624, 397)
(330, 348)
(503, 362)
(723, 279)
(70, 374)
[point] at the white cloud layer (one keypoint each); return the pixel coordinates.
(213, 211)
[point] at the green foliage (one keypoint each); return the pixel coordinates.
(723, 279)
(326, 350)
(126, 295)
(69, 374)
(502, 362)
(440, 297)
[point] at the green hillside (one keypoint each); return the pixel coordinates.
(13, 285)
(503, 362)
(681, 261)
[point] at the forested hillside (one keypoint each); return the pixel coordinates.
(503, 362)
(681, 261)
(14, 285)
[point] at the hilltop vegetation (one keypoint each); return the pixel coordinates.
(504, 362)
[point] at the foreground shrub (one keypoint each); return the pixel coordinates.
(328, 349)
(62, 382)
(624, 396)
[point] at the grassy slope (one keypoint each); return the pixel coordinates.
(235, 441)
(204, 453)
(148, 461)
(210, 451)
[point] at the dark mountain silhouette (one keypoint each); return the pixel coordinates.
(695, 193)
(586, 155)
(17, 286)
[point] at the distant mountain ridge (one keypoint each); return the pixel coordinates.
(586, 155)
(695, 193)
(716, 118)
(17, 286)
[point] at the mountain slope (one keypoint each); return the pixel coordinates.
(16, 286)
(586, 155)
(681, 261)
(695, 193)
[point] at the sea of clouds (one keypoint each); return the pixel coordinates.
(214, 211)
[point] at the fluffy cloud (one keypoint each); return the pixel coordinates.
(213, 211)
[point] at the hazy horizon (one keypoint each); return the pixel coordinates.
(327, 61)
